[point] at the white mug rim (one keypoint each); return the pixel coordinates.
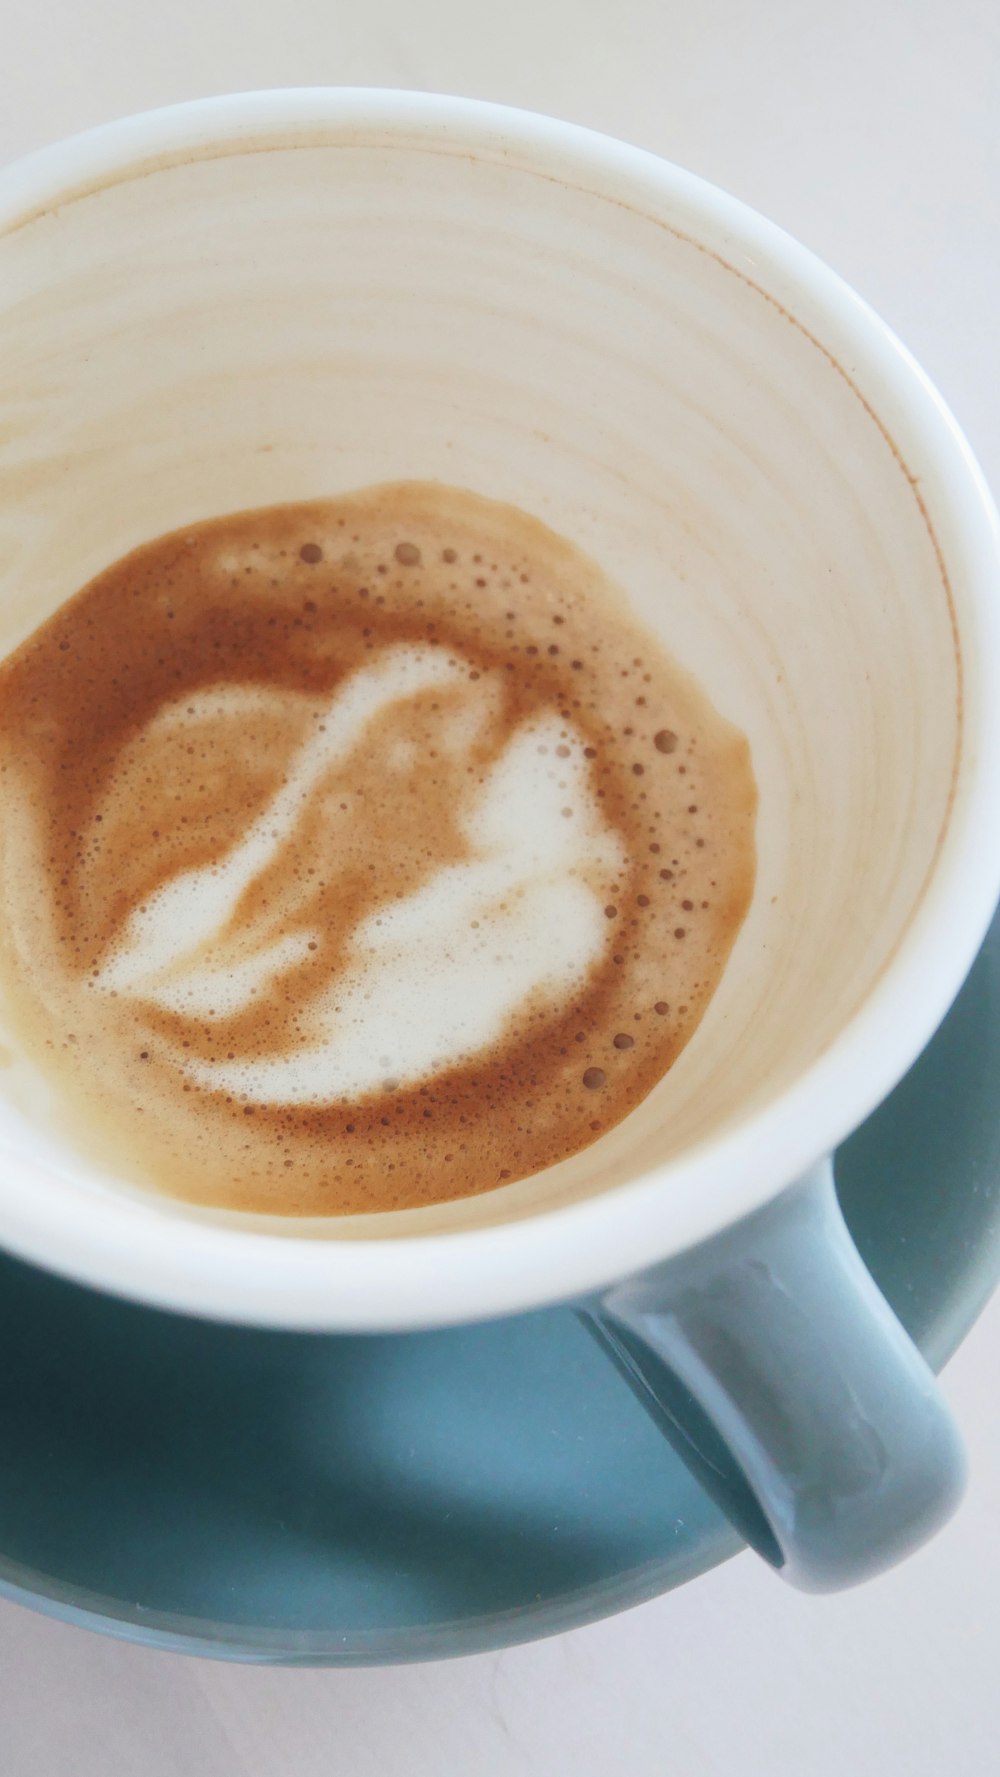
(175, 1260)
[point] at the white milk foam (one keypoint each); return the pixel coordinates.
(428, 979)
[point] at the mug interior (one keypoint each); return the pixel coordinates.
(323, 301)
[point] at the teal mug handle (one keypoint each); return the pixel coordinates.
(781, 1375)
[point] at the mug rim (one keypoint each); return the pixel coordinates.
(174, 1260)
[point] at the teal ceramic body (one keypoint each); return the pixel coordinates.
(323, 1500)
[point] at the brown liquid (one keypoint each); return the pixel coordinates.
(226, 889)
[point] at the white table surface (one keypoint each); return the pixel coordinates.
(871, 129)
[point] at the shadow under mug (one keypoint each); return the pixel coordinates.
(279, 296)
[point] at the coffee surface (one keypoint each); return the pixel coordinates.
(361, 854)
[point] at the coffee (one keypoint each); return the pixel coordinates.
(360, 854)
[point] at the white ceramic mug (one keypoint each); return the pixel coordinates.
(286, 295)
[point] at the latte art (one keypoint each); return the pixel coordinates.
(426, 980)
(360, 855)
